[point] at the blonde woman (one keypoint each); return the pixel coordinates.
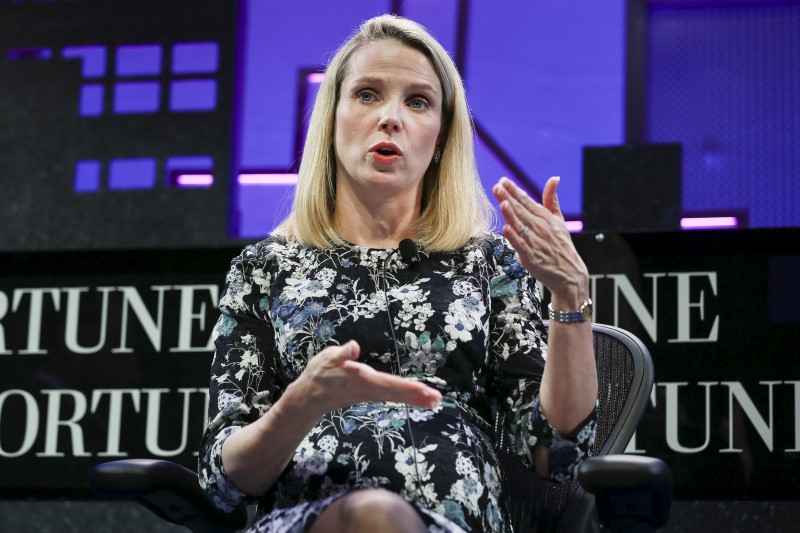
(363, 346)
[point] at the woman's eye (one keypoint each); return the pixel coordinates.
(419, 103)
(366, 96)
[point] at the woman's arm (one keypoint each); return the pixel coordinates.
(255, 455)
(256, 420)
(537, 232)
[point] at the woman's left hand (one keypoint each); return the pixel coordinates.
(539, 235)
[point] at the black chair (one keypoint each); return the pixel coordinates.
(632, 493)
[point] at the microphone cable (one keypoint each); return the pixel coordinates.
(409, 253)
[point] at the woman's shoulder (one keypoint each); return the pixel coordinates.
(493, 246)
(265, 252)
(500, 256)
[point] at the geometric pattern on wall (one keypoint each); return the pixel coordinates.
(724, 80)
(117, 123)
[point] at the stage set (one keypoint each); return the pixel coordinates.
(145, 143)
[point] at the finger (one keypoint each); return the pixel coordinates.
(524, 223)
(510, 215)
(518, 231)
(528, 211)
(429, 398)
(550, 197)
(414, 392)
(500, 191)
(380, 386)
(517, 241)
(512, 190)
(348, 351)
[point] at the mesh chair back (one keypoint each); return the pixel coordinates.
(625, 379)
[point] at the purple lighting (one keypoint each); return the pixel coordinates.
(574, 226)
(91, 100)
(193, 95)
(29, 53)
(93, 59)
(709, 222)
(194, 58)
(133, 173)
(267, 179)
(687, 223)
(139, 60)
(194, 180)
(87, 176)
(136, 97)
(190, 171)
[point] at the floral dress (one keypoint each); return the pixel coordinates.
(466, 322)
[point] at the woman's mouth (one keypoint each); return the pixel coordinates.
(385, 154)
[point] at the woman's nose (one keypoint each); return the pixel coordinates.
(390, 117)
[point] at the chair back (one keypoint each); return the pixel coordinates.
(625, 380)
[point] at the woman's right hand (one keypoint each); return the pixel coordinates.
(334, 379)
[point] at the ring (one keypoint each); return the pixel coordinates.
(524, 231)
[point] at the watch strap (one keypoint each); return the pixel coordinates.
(582, 314)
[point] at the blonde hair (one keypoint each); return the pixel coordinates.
(454, 204)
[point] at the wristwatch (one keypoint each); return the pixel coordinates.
(583, 313)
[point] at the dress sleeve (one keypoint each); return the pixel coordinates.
(518, 344)
(244, 381)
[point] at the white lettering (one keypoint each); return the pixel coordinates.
(73, 319)
(53, 422)
(763, 428)
(114, 416)
(673, 416)
(3, 311)
(151, 327)
(188, 317)
(154, 418)
(623, 286)
(632, 446)
(685, 306)
(31, 421)
(35, 315)
(796, 417)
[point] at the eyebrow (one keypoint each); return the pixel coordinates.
(417, 86)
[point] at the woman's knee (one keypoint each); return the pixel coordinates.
(379, 510)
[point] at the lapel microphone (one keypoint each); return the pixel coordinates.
(409, 254)
(409, 251)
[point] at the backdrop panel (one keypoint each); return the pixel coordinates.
(106, 355)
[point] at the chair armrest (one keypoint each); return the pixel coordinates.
(628, 489)
(168, 489)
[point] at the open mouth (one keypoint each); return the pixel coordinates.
(386, 151)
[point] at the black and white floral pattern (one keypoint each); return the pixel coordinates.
(468, 323)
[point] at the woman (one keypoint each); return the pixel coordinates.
(354, 384)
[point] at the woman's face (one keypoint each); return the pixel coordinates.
(388, 120)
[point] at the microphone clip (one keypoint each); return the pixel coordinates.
(409, 251)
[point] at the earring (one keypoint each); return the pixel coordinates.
(437, 156)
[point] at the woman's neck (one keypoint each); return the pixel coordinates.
(379, 226)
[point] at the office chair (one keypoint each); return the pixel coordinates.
(632, 493)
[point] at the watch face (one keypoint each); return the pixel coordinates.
(586, 309)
